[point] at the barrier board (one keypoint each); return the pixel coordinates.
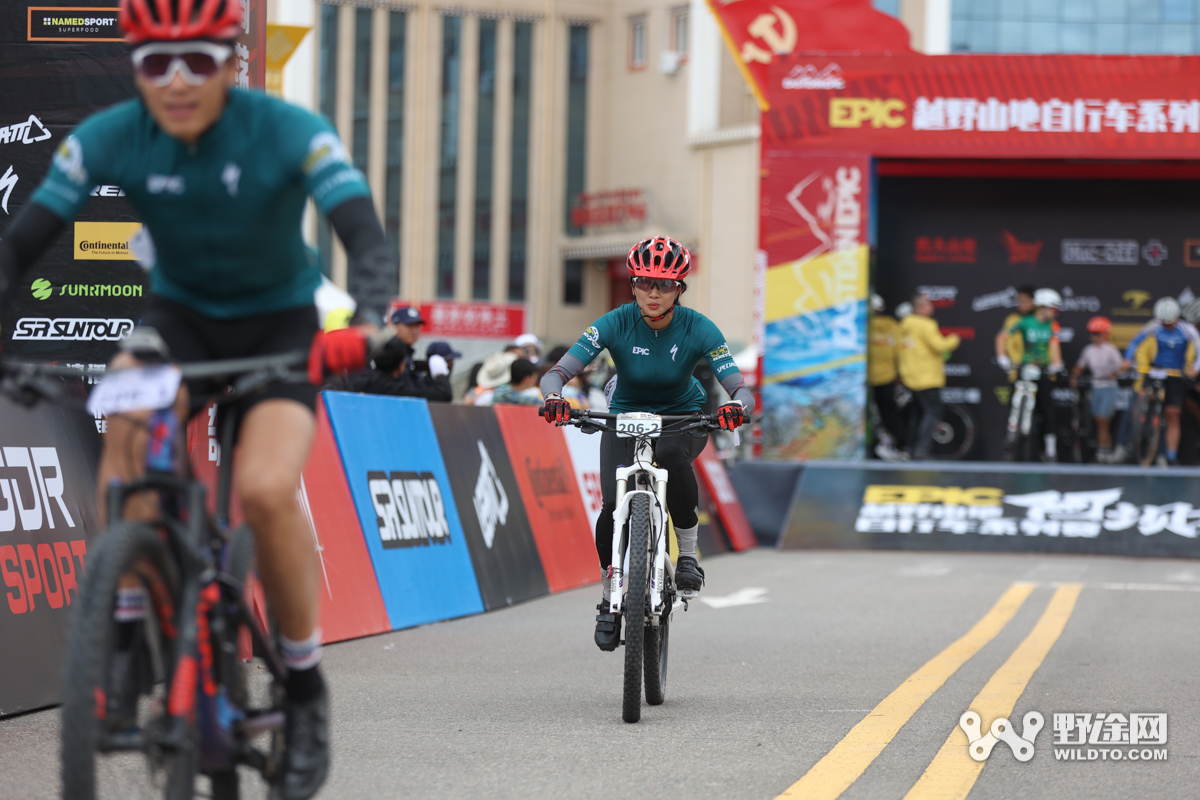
(585, 458)
(715, 480)
(494, 523)
(48, 460)
(402, 495)
(351, 604)
(546, 477)
(1115, 511)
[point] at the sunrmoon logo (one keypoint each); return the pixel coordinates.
(980, 746)
(491, 501)
(409, 509)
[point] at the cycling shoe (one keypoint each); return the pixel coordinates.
(306, 759)
(608, 629)
(688, 574)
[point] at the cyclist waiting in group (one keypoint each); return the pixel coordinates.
(1014, 348)
(220, 177)
(655, 343)
(1103, 360)
(1038, 333)
(1163, 345)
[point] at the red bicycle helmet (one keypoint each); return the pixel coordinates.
(1099, 325)
(659, 257)
(180, 20)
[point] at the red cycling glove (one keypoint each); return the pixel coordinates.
(336, 352)
(731, 415)
(557, 410)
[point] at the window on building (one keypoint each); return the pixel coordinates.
(360, 143)
(1076, 26)
(448, 153)
(889, 6)
(637, 42)
(397, 25)
(576, 121)
(481, 273)
(679, 31)
(518, 214)
(327, 102)
(573, 282)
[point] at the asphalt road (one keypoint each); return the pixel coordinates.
(835, 678)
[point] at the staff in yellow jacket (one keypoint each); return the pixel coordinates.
(923, 352)
(882, 348)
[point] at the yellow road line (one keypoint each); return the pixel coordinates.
(953, 772)
(842, 765)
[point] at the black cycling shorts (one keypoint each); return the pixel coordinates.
(1174, 389)
(192, 337)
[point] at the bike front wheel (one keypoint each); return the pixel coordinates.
(115, 681)
(1147, 433)
(655, 658)
(638, 583)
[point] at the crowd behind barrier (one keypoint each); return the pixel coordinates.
(420, 512)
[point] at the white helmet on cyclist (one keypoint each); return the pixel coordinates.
(903, 310)
(1166, 310)
(876, 303)
(1047, 298)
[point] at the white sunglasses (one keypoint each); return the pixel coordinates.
(195, 61)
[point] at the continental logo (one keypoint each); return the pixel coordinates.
(854, 112)
(943, 495)
(42, 289)
(104, 241)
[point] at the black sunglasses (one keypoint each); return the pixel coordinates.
(663, 284)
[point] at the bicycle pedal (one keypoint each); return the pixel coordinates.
(688, 594)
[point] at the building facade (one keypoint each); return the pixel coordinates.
(516, 149)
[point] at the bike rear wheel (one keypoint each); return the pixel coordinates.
(1146, 435)
(637, 580)
(134, 550)
(656, 640)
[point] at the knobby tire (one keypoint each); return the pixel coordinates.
(656, 640)
(132, 548)
(635, 605)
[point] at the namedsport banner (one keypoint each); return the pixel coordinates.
(561, 526)
(493, 517)
(47, 515)
(405, 505)
(1113, 511)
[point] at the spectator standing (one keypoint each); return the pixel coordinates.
(389, 375)
(1104, 361)
(496, 371)
(530, 346)
(882, 374)
(522, 386)
(923, 352)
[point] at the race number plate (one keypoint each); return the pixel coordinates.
(638, 424)
(140, 389)
(1158, 373)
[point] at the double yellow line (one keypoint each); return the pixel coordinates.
(952, 772)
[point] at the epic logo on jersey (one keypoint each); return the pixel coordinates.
(641, 351)
(409, 509)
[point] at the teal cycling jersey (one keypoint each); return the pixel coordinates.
(655, 367)
(223, 214)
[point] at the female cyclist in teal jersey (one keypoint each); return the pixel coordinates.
(655, 343)
(220, 178)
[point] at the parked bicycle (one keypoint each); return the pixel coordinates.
(1150, 419)
(192, 712)
(642, 579)
(1020, 443)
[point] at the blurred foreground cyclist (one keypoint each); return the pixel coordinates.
(220, 178)
(1172, 345)
(655, 343)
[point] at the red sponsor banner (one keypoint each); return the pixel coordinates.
(980, 106)
(720, 490)
(759, 32)
(545, 475)
(447, 319)
(351, 604)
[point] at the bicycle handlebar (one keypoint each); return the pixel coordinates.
(599, 419)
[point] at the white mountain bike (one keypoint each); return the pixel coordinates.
(642, 575)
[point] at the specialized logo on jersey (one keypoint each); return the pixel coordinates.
(592, 335)
(170, 184)
(674, 350)
(720, 352)
(68, 159)
(230, 177)
(324, 149)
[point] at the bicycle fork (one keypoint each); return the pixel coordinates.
(658, 523)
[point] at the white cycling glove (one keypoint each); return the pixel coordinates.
(1005, 362)
(438, 366)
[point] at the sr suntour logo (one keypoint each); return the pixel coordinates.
(409, 509)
